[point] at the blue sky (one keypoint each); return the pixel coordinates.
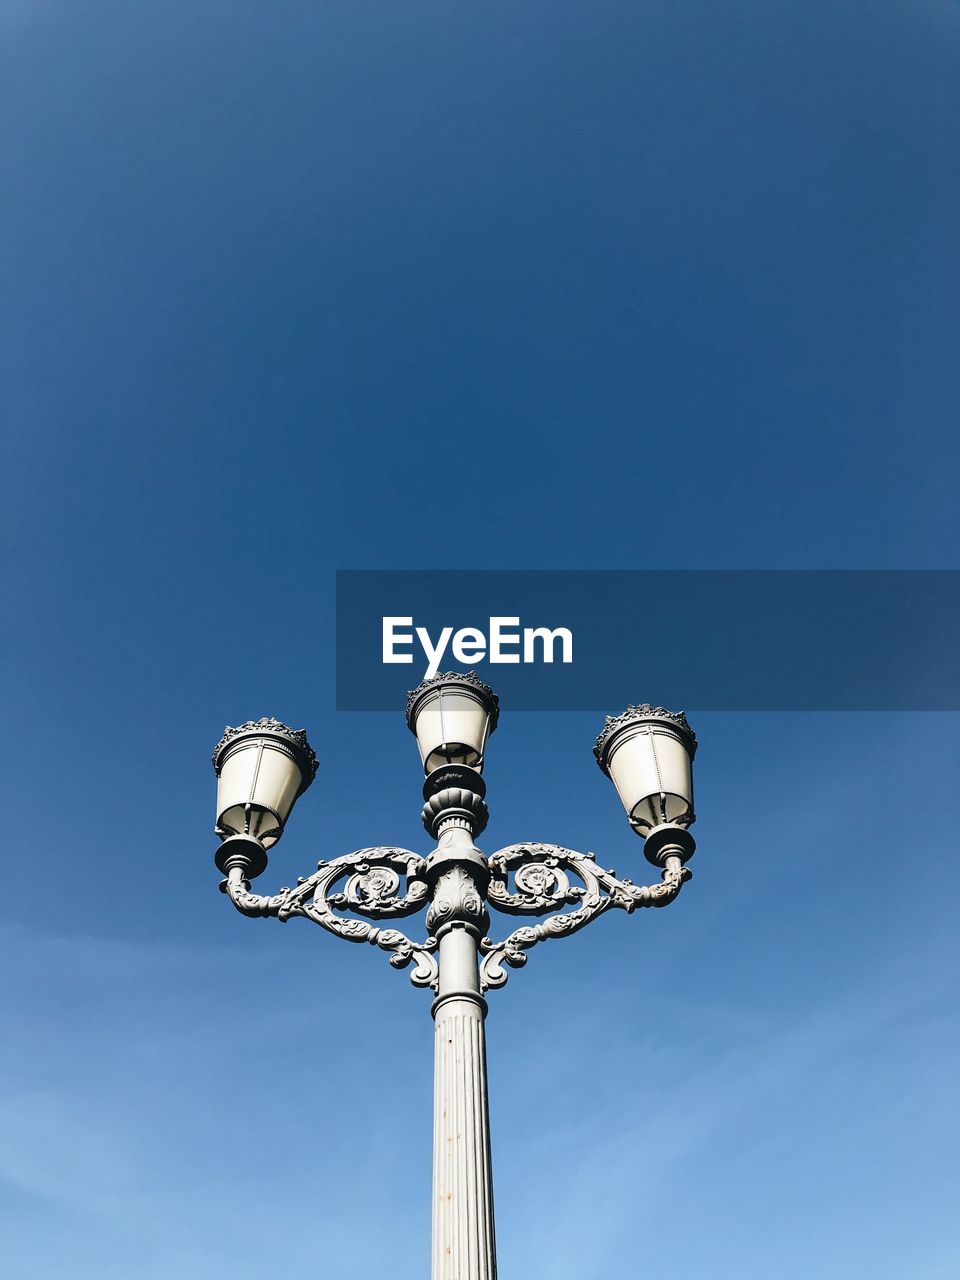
(296, 288)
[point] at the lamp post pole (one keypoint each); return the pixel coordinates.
(263, 766)
(463, 1233)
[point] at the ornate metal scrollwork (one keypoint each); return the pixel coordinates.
(457, 903)
(541, 884)
(375, 878)
(388, 883)
(372, 889)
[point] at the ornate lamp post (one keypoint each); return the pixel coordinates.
(262, 767)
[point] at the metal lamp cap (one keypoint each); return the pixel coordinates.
(674, 722)
(293, 740)
(462, 681)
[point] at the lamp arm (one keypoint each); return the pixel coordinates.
(371, 890)
(542, 882)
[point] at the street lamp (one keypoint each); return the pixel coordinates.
(263, 766)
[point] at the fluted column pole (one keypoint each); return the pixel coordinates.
(463, 1234)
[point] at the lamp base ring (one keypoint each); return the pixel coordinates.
(668, 840)
(244, 852)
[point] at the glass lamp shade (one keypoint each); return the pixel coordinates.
(452, 716)
(262, 766)
(648, 753)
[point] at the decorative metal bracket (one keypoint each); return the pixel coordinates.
(388, 884)
(541, 883)
(373, 882)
